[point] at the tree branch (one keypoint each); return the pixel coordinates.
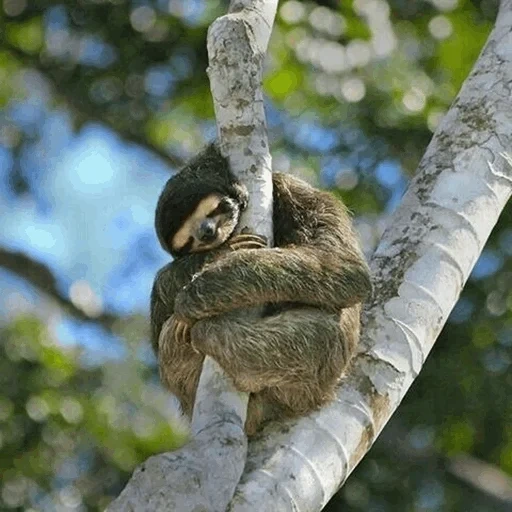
(41, 277)
(425, 257)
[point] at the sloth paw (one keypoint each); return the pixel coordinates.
(247, 241)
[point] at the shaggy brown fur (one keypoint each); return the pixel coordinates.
(311, 285)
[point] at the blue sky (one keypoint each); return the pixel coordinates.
(95, 208)
(90, 217)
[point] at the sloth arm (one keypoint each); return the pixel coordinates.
(253, 277)
(329, 271)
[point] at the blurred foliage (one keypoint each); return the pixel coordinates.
(354, 91)
(69, 433)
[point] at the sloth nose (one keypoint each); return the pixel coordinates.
(207, 230)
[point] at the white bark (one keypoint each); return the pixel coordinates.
(425, 257)
(202, 476)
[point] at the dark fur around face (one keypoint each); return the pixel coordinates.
(208, 173)
(311, 285)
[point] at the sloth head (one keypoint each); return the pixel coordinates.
(209, 225)
(199, 207)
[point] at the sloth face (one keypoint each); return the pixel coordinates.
(211, 223)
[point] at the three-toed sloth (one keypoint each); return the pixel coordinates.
(310, 285)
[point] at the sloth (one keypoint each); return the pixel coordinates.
(309, 287)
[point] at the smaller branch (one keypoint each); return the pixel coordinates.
(488, 484)
(40, 276)
(237, 45)
(482, 477)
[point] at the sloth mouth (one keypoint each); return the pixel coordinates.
(208, 238)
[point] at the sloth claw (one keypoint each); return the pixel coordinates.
(248, 241)
(182, 332)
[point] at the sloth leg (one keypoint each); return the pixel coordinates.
(297, 356)
(179, 365)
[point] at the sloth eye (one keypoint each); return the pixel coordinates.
(224, 206)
